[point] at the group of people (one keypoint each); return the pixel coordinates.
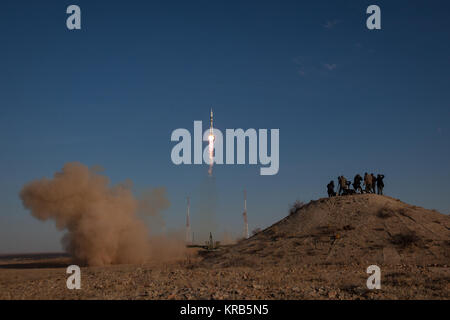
(372, 184)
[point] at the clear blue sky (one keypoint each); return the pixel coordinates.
(345, 99)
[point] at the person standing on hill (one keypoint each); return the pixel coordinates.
(330, 189)
(368, 182)
(357, 183)
(380, 183)
(374, 182)
(342, 184)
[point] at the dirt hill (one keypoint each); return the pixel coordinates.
(369, 229)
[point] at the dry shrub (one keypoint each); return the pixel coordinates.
(404, 240)
(348, 227)
(385, 212)
(238, 262)
(403, 212)
(241, 239)
(297, 205)
(255, 231)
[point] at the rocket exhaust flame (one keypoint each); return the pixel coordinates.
(211, 145)
(211, 154)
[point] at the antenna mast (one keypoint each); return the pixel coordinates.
(188, 224)
(246, 235)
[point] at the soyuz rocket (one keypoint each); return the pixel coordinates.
(211, 119)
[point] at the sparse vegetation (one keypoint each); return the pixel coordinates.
(404, 240)
(400, 279)
(256, 230)
(240, 239)
(239, 262)
(326, 230)
(297, 205)
(385, 212)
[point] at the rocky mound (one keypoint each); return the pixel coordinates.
(368, 229)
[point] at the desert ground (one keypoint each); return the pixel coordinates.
(320, 251)
(46, 279)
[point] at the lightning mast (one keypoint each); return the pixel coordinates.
(246, 235)
(188, 224)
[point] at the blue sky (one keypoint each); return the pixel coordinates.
(346, 100)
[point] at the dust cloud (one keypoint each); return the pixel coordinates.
(104, 223)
